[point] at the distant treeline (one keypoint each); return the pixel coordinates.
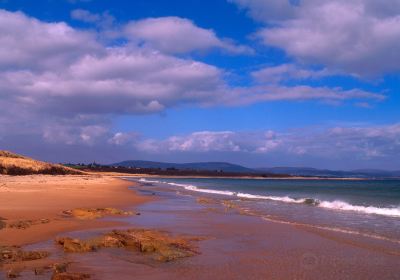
(93, 167)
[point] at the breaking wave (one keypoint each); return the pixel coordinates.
(333, 205)
(341, 205)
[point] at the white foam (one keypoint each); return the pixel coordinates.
(275, 198)
(189, 187)
(194, 188)
(334, 205)
(148, 181)
(341, 205)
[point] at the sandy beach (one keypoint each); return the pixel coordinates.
(45, 197)
(201, 140)
(227, 242)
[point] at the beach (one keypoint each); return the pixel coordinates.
(46, 197)
(229, 242)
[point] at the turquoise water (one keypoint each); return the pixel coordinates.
(370, 207)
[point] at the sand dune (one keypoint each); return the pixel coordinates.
(14, 164)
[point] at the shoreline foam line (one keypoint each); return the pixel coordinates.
(332, 205)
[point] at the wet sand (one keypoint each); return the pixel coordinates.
(249, 247)
(236, 245)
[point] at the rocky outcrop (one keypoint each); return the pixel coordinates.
(10, 254)
(60, 272)
(94, 213)
(73, 245)
(163, 246)
(24, 224)
(158, 244)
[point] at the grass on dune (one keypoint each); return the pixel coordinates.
(14, 164)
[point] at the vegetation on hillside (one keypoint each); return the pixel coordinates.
(14, 164)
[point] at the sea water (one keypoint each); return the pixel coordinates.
(364, 207)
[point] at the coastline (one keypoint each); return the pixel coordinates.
(235, 244)
(129, 175)
(241, 245)
(141, 175)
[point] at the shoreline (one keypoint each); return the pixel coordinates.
(129, 175)
(242, 246)
(262, 178)
(232, 243)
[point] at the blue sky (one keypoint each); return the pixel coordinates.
(260, 83)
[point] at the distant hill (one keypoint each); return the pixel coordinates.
(308, 171)
(14, 164)
(229, 167)
(208, 166)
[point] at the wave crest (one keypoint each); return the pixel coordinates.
(344, 206)
(333, 205)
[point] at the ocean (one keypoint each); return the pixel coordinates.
(369, 208)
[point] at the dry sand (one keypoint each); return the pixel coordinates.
(45, 197)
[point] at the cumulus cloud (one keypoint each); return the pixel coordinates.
(66, 85)
(178, 35)
(121, 81)
(371, 142)
(359, 37)
(212, 141)
(349, 146)
(56, 69)
(203, 141)
(359, 143)
(30, 44)
(124, 138)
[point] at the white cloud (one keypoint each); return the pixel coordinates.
(51, 73)
(209, 141)
(56, 69)
(71, 73)
(70, 135)
(265, 93)
(29, 44)
(285, 72)
(369, 142)
(178, 35)
(358, 37)
(117, 82)
(124, 138)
